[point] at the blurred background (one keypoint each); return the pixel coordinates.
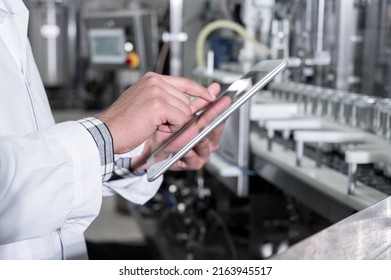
(298, 167)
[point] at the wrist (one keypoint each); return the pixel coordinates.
(139, 162)
(104, 142)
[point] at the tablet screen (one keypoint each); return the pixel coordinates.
(213, 115)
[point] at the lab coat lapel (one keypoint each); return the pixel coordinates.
(2, 6)
(18, 10)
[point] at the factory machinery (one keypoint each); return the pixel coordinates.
(307, 162)
(303, 170)
(333, 140)
(329, 149)
(324, 149)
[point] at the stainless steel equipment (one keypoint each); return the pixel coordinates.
(113, 36)
(121, 45)
(322, 132)
(339, 53)
(349, 129)
(363, 236)
(54, 33)
(48, 34)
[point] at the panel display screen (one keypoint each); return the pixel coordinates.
(107, 45)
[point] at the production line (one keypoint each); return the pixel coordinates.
(303, 168)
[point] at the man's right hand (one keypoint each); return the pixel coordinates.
(155, 102)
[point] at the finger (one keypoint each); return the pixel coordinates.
(190, 87)
(157, 84)
(191, 161)
(202, 150)
(214, 137)
(214, 89)
(172, 118)
(199, 104)
(218, 107)
(181, 102)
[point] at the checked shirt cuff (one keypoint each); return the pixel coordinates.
(104, 142)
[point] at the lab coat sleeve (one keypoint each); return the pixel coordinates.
(49, 180)
(134, 188)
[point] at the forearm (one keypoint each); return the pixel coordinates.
(49, 179)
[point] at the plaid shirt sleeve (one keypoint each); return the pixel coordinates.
(104, 142)
(122, 168)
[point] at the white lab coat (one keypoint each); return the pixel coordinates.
(50, 174)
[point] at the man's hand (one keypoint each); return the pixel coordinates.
(155, 102)
(200, 154)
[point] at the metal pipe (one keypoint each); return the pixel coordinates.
(352, 178)
(319, 155)
(52, 43)
(176, 22)
(320, 31)
(299, 152)
(344, 45)
(308, 25)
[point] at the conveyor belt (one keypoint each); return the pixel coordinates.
(366, 173)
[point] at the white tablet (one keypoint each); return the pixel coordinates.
(213, 115)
